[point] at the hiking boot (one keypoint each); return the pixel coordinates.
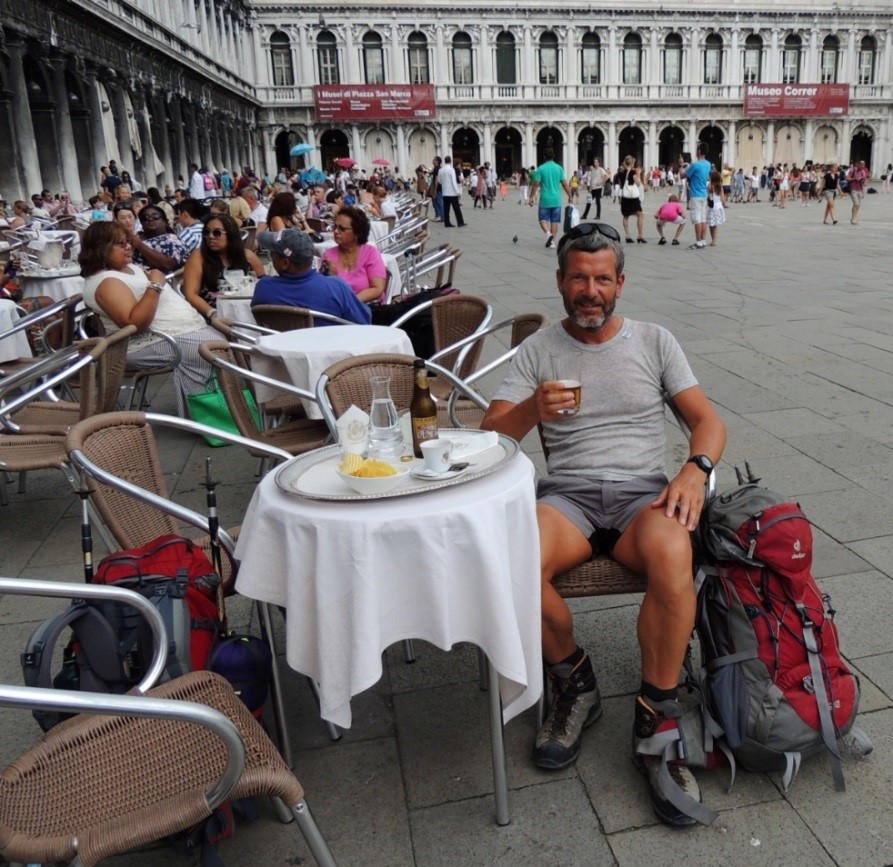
(651, 720)
(576, 704)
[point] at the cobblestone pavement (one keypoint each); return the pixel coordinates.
(788, 324)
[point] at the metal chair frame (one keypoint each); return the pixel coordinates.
(139, 705)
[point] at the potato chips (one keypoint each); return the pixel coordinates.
(354, 465)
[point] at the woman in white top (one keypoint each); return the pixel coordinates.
(382, 207)
(123, 294)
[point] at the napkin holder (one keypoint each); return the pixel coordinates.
(353, 431)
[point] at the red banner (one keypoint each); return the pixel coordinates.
(374, 101)
(796, 100)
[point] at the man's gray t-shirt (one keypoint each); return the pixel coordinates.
(620, 431)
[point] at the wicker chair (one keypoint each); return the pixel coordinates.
(453, 317)
(55, 417)
(121, 469)
(21, 453)
(198, 745)
(295, 437)
(281, 317)
(346, 383)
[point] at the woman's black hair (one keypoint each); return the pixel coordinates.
(212, 265)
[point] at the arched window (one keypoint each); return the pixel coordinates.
(373, 59)
(713, 59)
(867, 55)
(591, 59)
(463, 72)
(280, 53)
(548, 58)
(753, 59)
(418, 59)
(790, 67)
(673, 59)
(506, 70)
(632, 59)
(327, 52)
(830, 54)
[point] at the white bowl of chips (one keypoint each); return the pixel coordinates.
(368, 476)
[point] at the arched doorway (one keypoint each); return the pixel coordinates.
(631, 143)
(714, 138)
(379, 145)
(750, 148)
(332, 146)
(860, 145)
(43, 112)
(826, 145)
(670, 145)
(282, 144)
(590, 146)
(508, 151)
(466, 148)
(788, 146)
(422, 150)
(550, 137)
(82, 129)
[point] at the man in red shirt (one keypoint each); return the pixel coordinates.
(856, 177)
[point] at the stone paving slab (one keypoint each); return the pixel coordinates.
(789, 326)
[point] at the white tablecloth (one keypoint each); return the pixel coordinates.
(300, 357)
(453, 565)
(15, 346)
(57, 288)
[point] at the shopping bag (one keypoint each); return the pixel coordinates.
(209, 408)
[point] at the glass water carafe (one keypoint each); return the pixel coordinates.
(385, 436)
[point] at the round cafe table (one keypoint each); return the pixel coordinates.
(57, 288)
(300, 357)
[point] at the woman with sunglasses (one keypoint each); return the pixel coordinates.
(156, 246)
(353, 259)
(122, 294)
(221, 250)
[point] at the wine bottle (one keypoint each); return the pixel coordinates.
(422, 410)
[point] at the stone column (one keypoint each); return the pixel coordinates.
(651, 152)
(612, 74)
(732, 151)
(529, 145)
(10, 181)
(571, 149)
(162, 138)
(444, 140)
(812, 71)
(97, 137)
(736, 60)
(67, 151)
(397, 67)
(122, 133)
(486, 76)
(261, 67)
(307, 78)
(180, 157)
(694, 68)
(612, 158)
(693, 139)
(350, 55)
(571, 76)
(528, 69)
(774, 64)
(770, 143)
(29, 169)
(195, 154)
(653, 78)
(440, 56)
(402, 154)
(355, 145)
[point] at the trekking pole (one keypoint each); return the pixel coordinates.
(86, 532)
(213, 532)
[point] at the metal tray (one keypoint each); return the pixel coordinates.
(313, 476)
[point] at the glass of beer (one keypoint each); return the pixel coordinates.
(567, 370)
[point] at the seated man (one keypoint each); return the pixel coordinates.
(299, 284)
(606, 489)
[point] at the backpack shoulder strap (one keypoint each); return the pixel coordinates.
(37, 658)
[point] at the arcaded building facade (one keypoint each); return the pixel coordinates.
(230, 82)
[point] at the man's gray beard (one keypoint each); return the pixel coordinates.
(592, 322)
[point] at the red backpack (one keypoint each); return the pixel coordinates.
(176, 575)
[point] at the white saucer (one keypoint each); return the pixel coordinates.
(427, 475)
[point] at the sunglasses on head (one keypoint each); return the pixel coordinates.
(585, 229)
(215, 233)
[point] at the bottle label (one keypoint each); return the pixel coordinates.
(424, 429)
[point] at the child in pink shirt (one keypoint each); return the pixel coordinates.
(670, 211)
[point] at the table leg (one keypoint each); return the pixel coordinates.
(497, 746)
(266, 622)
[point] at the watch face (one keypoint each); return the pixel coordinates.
(703, 462)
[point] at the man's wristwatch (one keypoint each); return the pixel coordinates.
(210, 315)
(702, 462)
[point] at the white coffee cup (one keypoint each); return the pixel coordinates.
(436, 454)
